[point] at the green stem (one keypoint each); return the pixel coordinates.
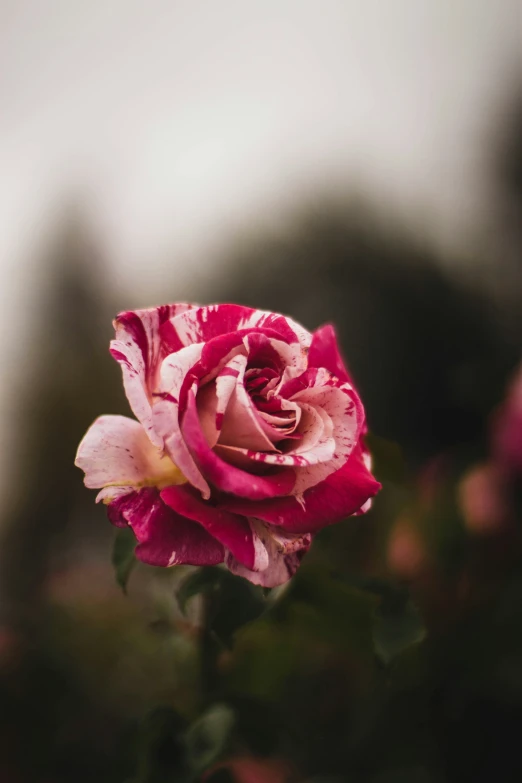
(208, 651)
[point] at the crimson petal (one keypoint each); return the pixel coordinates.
(340, 495)
(165, 538)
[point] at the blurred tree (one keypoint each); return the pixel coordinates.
(426, 352)
(68, 382)
(50, 727)
(506, 186)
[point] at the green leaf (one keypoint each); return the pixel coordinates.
(207, 738)
(396, 628)
(200, 581)
(319, 618)
(170, 751)
(123, 558)
(386, 589)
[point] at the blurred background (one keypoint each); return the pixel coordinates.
(352, 162)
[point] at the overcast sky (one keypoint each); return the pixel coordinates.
(178, 120)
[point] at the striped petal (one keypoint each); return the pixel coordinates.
(223, 475)
(117, 456)
(166, 413)
(139, 349)
(324, 352)
(166, 538)
(340, 495)
(229, 529)
(330, 424)
(280, 555)
(203, 324)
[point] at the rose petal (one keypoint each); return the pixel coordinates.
(117, 506)
(177, 371)
(116, 452)
(223, 475)
(231, 530)
(226, 382)
(219, 352)
(331, 428)
(316, 443)
(282, 554)
(139, 350)
(340, 402)
(207, 404)
(324, 352)
(340, 495)
(284, 422)
(276, 354)
(166, 412)
(205, 323)
(241, 424)
(166, 538)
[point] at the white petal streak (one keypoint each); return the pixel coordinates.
(137, 347)
(165, 412)
(277, 559)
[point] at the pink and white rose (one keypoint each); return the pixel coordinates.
(249, 439)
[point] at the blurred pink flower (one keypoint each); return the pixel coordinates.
(406, 554)
(483, 499)
(249, 439)
(249, 769)
(484, 493)
(507, 428)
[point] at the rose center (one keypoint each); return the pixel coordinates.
(280, 423)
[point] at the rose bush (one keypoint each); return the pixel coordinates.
(249, 439)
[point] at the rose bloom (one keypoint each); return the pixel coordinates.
(248, 439)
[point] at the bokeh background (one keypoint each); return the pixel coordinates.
(338, 161)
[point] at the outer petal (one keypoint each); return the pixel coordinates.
(205, 323)
(166, 538)
(225, 476)
(232, 530)
(116, 453)
(139, 349)
(324, 352)
(340, 495)
(282, 553)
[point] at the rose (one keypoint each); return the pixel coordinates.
(249, 439)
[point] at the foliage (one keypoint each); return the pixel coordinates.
(123, 558)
